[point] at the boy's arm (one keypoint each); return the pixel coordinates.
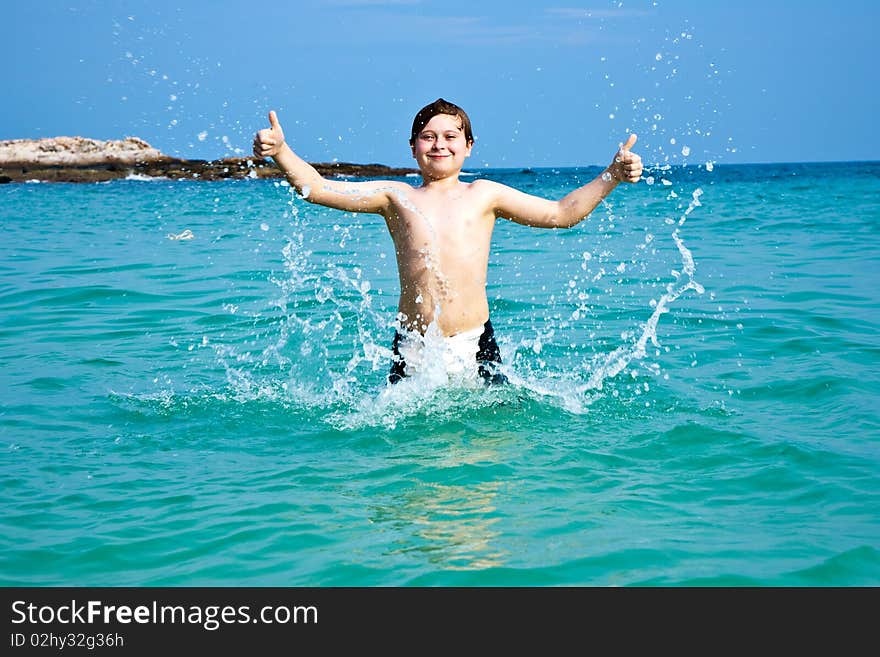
(535, 211)
(372, 196)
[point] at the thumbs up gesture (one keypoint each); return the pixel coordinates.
(268, 142)
(627, 166)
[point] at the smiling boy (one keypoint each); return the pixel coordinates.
(442, 232)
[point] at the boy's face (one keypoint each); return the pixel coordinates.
(440, 148)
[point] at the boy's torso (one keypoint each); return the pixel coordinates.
(442, 242)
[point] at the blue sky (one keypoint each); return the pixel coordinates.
(554, 83)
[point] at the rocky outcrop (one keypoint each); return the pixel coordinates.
(75, 151)
(77, 159)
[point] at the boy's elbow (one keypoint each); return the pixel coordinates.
(565, 219)
(312, 192)
(569, 216)
(323, 199)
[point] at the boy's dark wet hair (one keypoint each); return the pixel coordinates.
(441, 106)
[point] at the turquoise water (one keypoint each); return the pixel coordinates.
(212, 411)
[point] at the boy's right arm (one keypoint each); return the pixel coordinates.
(372, 196)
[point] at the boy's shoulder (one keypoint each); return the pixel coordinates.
(484, 183)
(487, 186)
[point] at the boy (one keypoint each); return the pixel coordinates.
(441, 232)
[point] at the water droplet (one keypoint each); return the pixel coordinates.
(685, 150)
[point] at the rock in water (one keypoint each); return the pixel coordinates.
(77, 159)
(75, 152)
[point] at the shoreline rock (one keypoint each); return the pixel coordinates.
(77, 159)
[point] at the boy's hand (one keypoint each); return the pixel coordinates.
(268, 142)
(627, 166)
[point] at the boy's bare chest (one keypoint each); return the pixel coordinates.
(458, 213)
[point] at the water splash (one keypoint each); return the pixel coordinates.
(323, 342)
(615, 362)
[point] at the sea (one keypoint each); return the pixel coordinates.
(194, 390)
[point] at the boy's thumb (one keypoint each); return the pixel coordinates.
(273, 120)
(629, 142)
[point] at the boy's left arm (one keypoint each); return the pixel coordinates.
(532, 210)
